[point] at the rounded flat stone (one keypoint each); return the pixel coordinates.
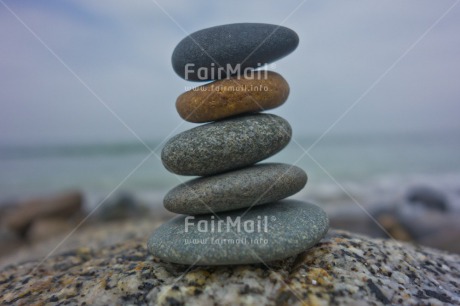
(214, 53)
(256, 185)
(226, 145)
(262, 234)
(233, 96)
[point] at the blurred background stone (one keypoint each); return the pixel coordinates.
(122, 205)
(20, 217)
(419, 214)
(427, 197)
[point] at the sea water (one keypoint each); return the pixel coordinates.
(362, 166)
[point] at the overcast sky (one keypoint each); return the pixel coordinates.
(118, 53)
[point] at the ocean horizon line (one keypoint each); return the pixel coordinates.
(124, 147)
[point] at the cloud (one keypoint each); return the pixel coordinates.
(122, 51)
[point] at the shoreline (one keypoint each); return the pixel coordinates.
(383, 207)
(324, 192)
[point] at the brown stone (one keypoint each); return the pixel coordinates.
(9, 242)
(62, 205)
(47, 227)
(233, 96)
(393, 227)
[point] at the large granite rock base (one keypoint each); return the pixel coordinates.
(343, 269)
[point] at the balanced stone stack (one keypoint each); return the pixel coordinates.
(234, 213)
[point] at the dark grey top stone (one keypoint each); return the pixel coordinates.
(280, 230)
(248, 44)
(259, 184)
(226, 145)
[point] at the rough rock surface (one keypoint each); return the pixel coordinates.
(233, 96)
(343, 269)
(259, 184)
(226, 145)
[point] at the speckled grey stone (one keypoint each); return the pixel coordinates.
(280, 229)
(256, 185)
(248, 44)
(226, 145)
(342, 269)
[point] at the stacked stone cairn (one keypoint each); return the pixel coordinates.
(234, 212)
